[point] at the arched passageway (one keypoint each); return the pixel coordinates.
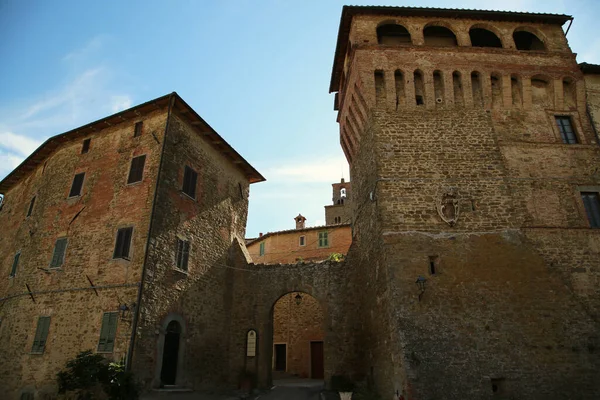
(168, 374)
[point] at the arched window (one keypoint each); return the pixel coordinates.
(527, 41)
(343, 192)
(393, 34)
(439, 36)
(483, 38)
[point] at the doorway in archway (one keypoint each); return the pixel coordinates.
(298, 337)
(168, 373)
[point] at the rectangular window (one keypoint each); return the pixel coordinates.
(138, 129)
(77, 185)
(123, 243)
(58, 257)
(189, 182)
(566, 130)
(591, 201)
(13, 270)
(31, 203)
(323, 239)
(41, 334)
(136, 172)
(262, 249)
(86, 146)
(108, 332)
(302, 238)
(183, 254)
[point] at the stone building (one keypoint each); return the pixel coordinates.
(340, 212)
(472, 138)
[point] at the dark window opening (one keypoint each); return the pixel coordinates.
(566, 130)
(136, 172)
(527, 41)
(183, 254)
(138, 129)
(439, 36)
(380, 94)
(498, 387)
(419, 100)
(393, 34)
(41, 335)
(123, 244)
(77, 185)
(419, 87)
(432, 264)
(483, 38)
(108, 331)
(591, 201)
(86, 146)
(190, 178)
(58, 256)
(15, 264)
(31, 203)
(302, 240)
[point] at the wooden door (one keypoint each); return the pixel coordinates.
(317, 370)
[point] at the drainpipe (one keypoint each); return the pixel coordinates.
(136, 317)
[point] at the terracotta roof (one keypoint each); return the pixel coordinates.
(350, 11)
(589, 68)
(179, 106)
(311, 228)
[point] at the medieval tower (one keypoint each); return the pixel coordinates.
(474, 163)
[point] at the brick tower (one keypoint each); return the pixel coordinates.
(474, 173)
(340, 211)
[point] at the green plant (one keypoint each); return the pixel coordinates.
(89, 374)
(336, 257)
(341, 383)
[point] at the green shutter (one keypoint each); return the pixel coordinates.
(262, 248)
(58, 257)
(108, 332)
(13, 271)
(41, 335)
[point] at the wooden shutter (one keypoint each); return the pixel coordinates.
(58, 257)
(136, 172)
(13, 271)
(123, 244)
(190, 178)
(108, 332)
(41, 335)
(591, 201)
(77, 185)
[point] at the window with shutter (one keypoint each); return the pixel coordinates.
(262, 249)
(591, 201)
(86, 146)
(136, 172)
(31, 203)
(13, 270)
(58, 257)
(190, 177)
(41, 335)
(77, 185)
(108, 331)
(323, 239)
(123, 244)
(302, 240)
(566, 130)
(183, 254)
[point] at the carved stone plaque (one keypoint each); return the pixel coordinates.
(448, 205)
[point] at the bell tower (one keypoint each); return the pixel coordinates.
(469, 147)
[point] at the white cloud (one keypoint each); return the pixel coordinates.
(8, 162)
(18, 144)
(120, 103)
(327, 170)
(93, 45)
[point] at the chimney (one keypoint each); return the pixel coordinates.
(300, 221)
(260, 234)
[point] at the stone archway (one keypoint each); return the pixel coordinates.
(170, 352)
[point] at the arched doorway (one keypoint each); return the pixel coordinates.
(168, 373)
(298, 337)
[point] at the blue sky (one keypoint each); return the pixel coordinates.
(257, 71)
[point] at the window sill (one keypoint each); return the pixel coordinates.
(187, 195)
(74, 197)
(36, 353)
(134, 183)
(55, 268)
(121, 259)
(104, 352)
(181, 271)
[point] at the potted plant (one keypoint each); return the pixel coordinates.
(343, 385)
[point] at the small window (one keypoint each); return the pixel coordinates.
(108, 332)
(86, 146)
(419, 100)
(183, 254)
(15, 264)
(302, 240)
(433, 260)
(138, 129)
(123, 244)
(58, 256)
(41, 334)
(343, 192)
(77, 185)
(31, 203)
(323, 239)
(261, 249)
(136, 172)
(566, 130)
(189, 182)
(591, 201)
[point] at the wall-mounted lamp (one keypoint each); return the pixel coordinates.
(421, 284)
(126, 309)
(298, 299)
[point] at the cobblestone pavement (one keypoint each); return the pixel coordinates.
(294, 389)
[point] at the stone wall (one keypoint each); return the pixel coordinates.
(90, 223)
